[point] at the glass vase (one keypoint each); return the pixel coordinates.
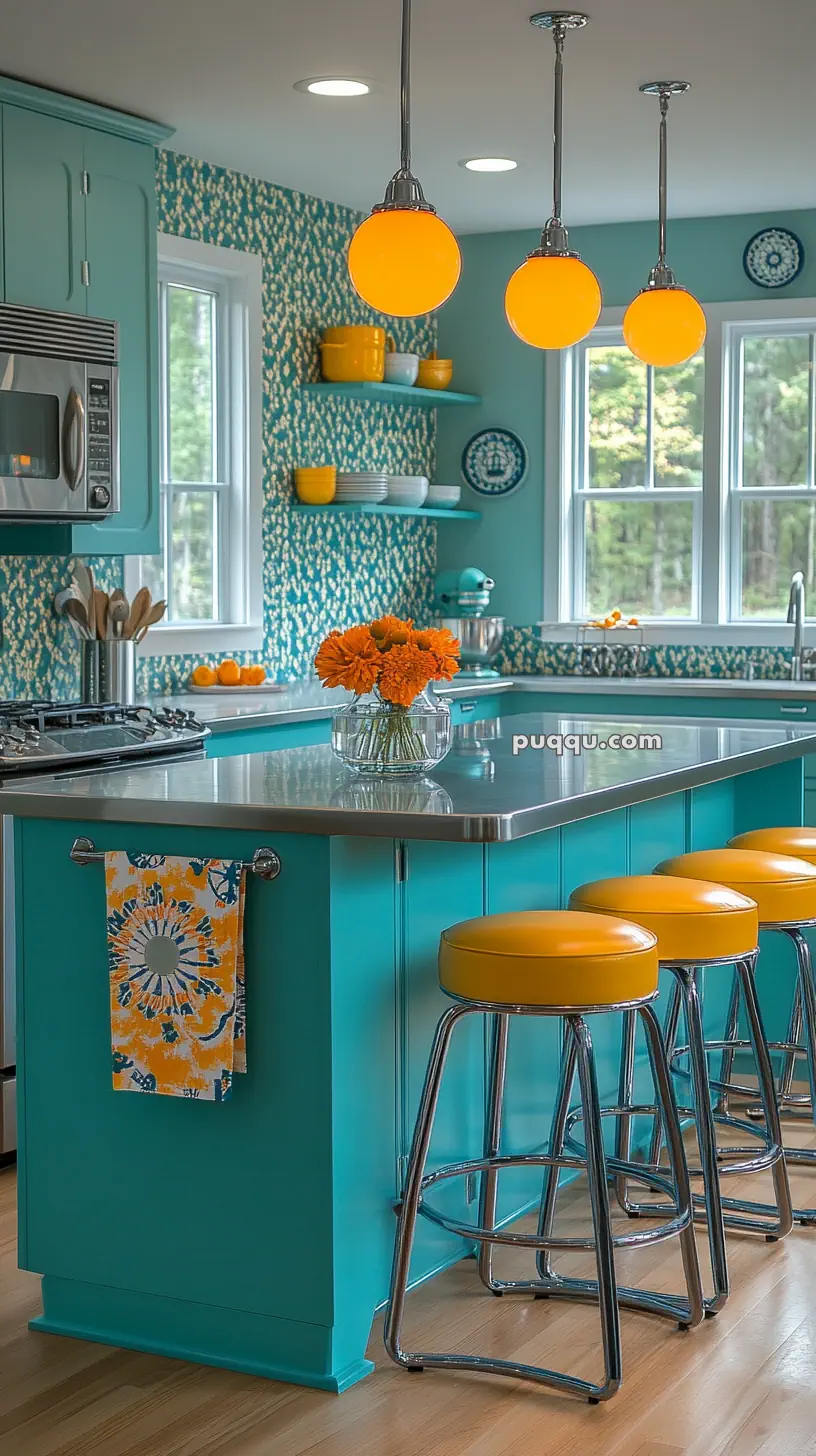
(372, 736)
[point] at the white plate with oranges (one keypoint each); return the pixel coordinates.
(230, 677)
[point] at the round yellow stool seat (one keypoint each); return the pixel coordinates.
(784, 888)
(801, 843)
(548, 958)
(692, 919)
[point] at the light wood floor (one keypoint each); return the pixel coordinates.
(743, 1384)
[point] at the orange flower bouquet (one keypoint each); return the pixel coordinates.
(400, 728)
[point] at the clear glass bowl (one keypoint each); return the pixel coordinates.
(374, 737)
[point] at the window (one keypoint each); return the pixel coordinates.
(209, 569)
(687, 495)
(638, 482)
(771, 475)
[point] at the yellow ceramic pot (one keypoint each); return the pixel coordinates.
(356, 334)
(434, 373)
(316, 485)
(353, 354)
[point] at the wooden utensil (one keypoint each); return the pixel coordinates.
(139, 609)
(100, 613)
(155, 614)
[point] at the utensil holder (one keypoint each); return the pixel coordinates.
(108, 671)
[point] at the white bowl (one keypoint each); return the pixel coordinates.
(445, 497)
(401, 368)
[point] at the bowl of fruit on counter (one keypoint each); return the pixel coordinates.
(229, 676)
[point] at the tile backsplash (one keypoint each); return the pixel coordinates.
(319, 571)
(523, 651)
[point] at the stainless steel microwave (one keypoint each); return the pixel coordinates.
(59, 416)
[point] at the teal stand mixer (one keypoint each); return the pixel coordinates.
(461, 600)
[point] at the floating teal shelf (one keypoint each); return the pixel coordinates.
(363, 508)
(396, 394)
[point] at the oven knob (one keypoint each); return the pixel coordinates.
(100, 496)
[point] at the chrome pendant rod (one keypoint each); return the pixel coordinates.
(661, 275)
(404, 190)
(558, 112)
(662, 185)
(405, 90)
(554, 240)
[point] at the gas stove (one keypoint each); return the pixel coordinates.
(55, 737)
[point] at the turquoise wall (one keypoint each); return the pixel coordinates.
(489, 360)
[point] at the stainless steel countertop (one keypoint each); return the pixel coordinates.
(694, 687)
(300, 702)
(481, 792)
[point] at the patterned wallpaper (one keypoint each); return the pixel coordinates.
(319, 572)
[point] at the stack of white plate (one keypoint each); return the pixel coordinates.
(368, 487)
(407, 490)
(443, 497)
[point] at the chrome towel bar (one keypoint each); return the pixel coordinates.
(265, 862)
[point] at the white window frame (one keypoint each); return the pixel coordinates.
(718, 511)
(236, 277)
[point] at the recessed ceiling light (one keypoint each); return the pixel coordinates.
(333, 86)
(489, 164)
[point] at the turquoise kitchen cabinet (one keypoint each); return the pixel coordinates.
(269, 739)
(79, 235)
(472, 710)
(121, 228)
(43, 211)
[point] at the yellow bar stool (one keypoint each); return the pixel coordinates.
(784, 889)
(564, 964)
(800, 843)
(700, 927)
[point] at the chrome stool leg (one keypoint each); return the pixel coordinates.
(409, 1202)
(492, 1143)
(626, 1095)
(687, 1313)
(670, 1027)
(599, 1200)
(549, 1196)
(731, 1034)
(782, 1208)
(687, 994)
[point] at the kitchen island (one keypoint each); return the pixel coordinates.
(256, 1233)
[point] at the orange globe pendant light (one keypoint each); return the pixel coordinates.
(664, 324)
(404, 260)
(553, 299)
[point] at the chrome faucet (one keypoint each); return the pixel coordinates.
(796, 615)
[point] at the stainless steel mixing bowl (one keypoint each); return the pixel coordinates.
(481, 638)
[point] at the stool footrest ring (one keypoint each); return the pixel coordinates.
(674, 1223)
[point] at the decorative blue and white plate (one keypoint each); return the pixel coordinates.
(773, 257)
(494, 462)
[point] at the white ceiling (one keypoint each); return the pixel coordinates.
(222, 73)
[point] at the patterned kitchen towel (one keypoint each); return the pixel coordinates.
(177, 985)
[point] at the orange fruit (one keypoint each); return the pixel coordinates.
(204, 676)
(229, 673)
(258, 675)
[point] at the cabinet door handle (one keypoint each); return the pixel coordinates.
(467, 707)
(787, 708)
